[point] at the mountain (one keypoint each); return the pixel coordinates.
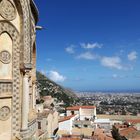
(49, 87)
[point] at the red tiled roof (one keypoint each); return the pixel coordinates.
(137, 138)
(100, 135)
(78, 107)
(109, 138)
(66, 118)
(127, 131)
(118, 126)
(134, 121)
(69, 138)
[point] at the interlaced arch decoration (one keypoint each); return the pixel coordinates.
(14, 34)
(23, 7)
(22, 54)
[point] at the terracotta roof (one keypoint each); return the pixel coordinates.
(127, 131)
(138, 138)
(98, 131)
(108, 138)
(119, 126)
(100, 135)
(134, 121)
(69, 138)
(66, 118)
(78, 107)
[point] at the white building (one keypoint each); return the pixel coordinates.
(104, 124)
(65, 124)
(77, 117)
(84, 112)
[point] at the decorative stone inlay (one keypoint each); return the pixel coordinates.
(5, 88)
(4, 113)
(27, 30)
(7, 10)
(14, 34)
(5, 57)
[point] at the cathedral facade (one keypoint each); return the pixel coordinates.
(18, 20)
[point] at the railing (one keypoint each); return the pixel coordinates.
(82, 122)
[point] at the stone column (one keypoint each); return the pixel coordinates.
(25, 102)
(34, 95)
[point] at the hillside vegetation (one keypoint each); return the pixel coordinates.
(48, 87)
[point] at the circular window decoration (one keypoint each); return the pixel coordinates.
(4, 113)
(7, 10)
(5, 57)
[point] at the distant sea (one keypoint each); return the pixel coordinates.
(110, 91)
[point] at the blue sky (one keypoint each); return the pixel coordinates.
(90, 44)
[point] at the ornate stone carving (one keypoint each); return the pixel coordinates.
(7, 10)
(5, 57)
(14, 34)
(5, 87)
(4, 113)
(26, 31)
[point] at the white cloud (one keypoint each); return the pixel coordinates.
(91, 46)
(111, 62)
(87, 56)
(70, 49)
(132, 56)
(55, 76)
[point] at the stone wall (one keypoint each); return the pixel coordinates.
(17, 59)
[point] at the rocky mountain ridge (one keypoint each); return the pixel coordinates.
(49, 87)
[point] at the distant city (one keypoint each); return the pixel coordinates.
(112, 103)
(108, 91)
(80, 44)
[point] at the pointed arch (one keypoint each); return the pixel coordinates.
(14, 34)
